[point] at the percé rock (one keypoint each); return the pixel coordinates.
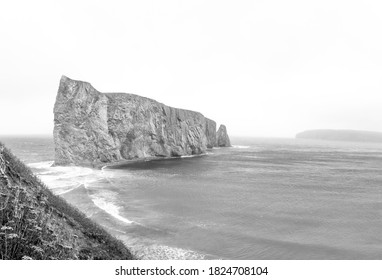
(342, 135)
(223, 139)
(211, 133)
(93, 128)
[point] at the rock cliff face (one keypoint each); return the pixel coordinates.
(93, 128)
(223, 139)
(211, 133)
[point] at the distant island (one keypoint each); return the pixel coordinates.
(342, 135)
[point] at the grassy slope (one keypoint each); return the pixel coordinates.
(36, 224)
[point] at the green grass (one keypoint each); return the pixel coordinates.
(36, 224)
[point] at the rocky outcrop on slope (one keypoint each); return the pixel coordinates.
(93, 128)
(222, 137)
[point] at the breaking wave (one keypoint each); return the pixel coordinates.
(63, 178)
(110, 208)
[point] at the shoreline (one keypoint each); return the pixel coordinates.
(101, 166)
(146, 159)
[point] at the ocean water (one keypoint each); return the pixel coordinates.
(261, 199)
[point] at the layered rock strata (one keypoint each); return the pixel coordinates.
(93, 128)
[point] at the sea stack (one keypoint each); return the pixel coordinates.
(222, 137)
(93, 128)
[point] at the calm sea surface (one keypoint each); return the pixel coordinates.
(261, 199)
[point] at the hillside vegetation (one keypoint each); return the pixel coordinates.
(36, 224)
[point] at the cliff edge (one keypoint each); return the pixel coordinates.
(36, 224)
(93, 128)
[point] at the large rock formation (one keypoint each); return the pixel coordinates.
(92, 128)
(222, 137)
(211, 133)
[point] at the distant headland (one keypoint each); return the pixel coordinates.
(342, 135)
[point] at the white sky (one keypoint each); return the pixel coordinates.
(263, 68)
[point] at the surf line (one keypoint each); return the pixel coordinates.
(127, 162)
(69, 190)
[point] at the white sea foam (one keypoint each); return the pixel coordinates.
(64, 178)
(163, 252)
(190, 156)
(41, 165)
(109, 208)
(240, 147)
(68, 190)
